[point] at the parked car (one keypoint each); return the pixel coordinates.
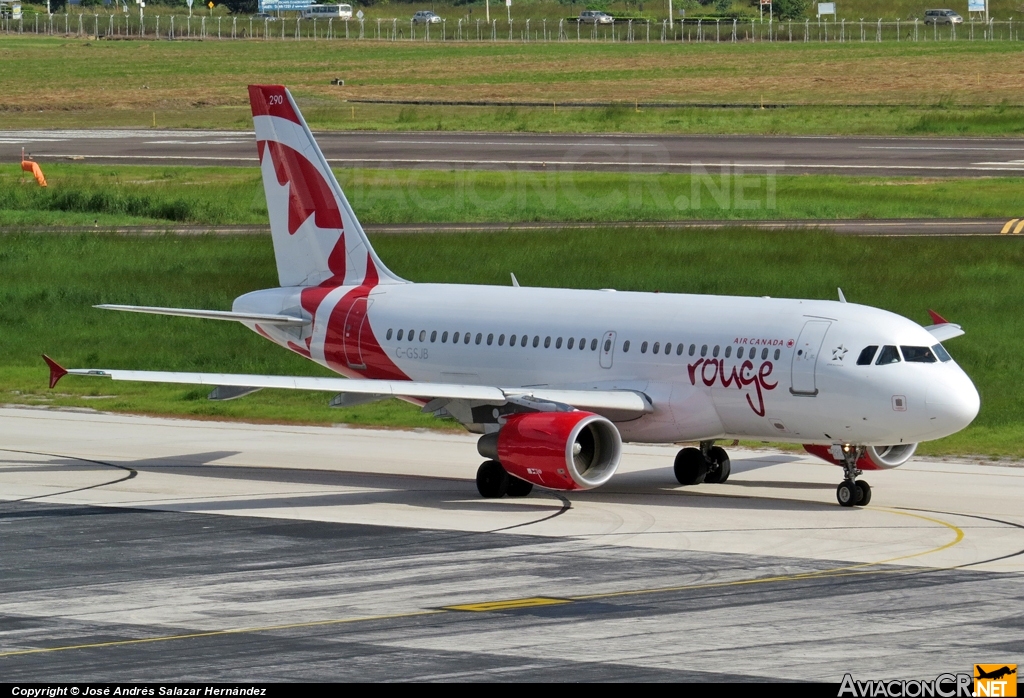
(942, 17)
(266, 16)
(595, 17)
(425, 17)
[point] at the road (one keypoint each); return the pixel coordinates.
(157, 549)
(897, 227)
(927, 157)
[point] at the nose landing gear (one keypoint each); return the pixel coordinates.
(851, 492)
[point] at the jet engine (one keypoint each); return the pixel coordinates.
(874, 458)
(557, 450)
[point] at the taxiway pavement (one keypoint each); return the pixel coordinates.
(884, 156)
(156, 549)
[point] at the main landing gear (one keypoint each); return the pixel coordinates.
(851, 491)
(709, 463)
(493, 481)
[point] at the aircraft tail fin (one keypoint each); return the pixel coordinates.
(317, 237)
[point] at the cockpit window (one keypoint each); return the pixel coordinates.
(940, 351)
(865, 356)
(918, 355)
(888, 355)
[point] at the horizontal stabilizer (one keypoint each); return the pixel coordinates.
(264, 318)
(946, 330)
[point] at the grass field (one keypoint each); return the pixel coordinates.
(133, 195)
(928, 88)
(51, 282)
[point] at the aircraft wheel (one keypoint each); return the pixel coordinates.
(847, 493)
(491, 480)
(720, 467)
(517, 487)
(690, 466)
(865, 493)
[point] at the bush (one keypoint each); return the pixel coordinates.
(791, 9)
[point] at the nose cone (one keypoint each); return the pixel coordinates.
(953, 401)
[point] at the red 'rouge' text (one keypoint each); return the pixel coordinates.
(742, 376)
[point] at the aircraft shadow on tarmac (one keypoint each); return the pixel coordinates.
(653, 486)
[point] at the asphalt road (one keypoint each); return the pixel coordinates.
(158, 549)
(897, 227)
(931, 157)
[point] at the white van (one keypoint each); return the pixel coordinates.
(942, 17)
(327, 12)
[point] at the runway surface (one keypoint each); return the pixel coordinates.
(154, 549)
(930, 157)
(896, 227)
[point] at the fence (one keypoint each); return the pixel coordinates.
(714, 31)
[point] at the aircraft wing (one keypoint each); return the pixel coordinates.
(621, 403)
(945, 330)
(264, 318)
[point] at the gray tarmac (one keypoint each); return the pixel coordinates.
(884, 156)
(896, 227)
(157, 549)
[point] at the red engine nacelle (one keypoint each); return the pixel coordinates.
(560, 450)
(874, 458)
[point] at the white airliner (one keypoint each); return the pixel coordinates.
(555, 380)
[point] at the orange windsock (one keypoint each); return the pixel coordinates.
(37, 172)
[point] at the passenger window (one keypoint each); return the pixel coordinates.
(479, 337)
(657, 348)
(558, 343)
(572, 340)
(643, 348)
(512, 341)
(866, 355)
(583, 343)
(679, 349)
(625, 346)
(501, 340)
(693, 348)
(715, 352)
(764, 353)
(739, 353)
(388, 335)
(593, 344)
(444, 337)
(433, 336)
(728, 352)
(888, 355)
(490, 339)
(467, 338)
(607, 345)
(536, 340)
(940, 351)
(523, 341)
(423, 335)
(668, 348)
(400, 335)
(547, 342)
(412, 335)
(778, 353)
(917, 355)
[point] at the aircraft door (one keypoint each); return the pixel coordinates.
(607, 349)
(356, 324)
(805, 357)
